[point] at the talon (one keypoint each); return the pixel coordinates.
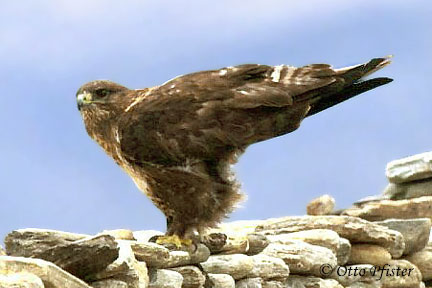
(174, 240)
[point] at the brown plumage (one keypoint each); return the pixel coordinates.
(178, 140)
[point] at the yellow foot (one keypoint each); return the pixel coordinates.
(173, 239)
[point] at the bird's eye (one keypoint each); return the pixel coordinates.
(101, 93)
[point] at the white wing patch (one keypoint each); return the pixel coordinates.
(276, 73)
(140, 97)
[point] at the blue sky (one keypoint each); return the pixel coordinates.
(52, 175)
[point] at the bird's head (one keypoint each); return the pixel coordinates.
(102, 95)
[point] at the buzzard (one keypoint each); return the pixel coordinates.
(178, 140)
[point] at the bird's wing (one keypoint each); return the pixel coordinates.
(204, 114)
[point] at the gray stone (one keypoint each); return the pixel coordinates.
(163, 278)
(415, 232)
(311, 282)
(219, 281)
(411, 168)
(125, 268)
(21, 280)
(408, 190)
(398, 209)
(267, 267)
(344, 251)
(50, 274)
(192, 276)
(322, 205)
(249, 283)
(30, 242)
(301, 257)
(236, 265)
(354, 229)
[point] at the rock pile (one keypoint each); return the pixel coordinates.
(352, 250)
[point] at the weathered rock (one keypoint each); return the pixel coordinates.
(249, 283)
(82, 257)
(273, 284)
(30, 242)
(369, 254)
(400, 274)
(219, 281)
(410, 168)
(235, 244)
(423, 260)
(344, 251)
(109, 283)
(415, 232)
(398, 209)
(408, 190)
(365, 285)
(354, 229)
(257, 243)
(348, 275)
(125, 268)
(302, 258)
(119, 234)
(50, 274)
(153, 254)
(311, 282)
(323, 205)
(163, 278)
(320, 237)
(182, 258)
(192, 276)
(215, 242)
(21, 280)
(267, 267)
(143, 236)
(236, 265)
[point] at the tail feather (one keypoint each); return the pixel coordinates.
(347, 93)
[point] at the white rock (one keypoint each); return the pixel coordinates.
(192, 276)
(311, 282)
(220, 281)
(267, 267)
(163, 278)
(126, 268)
(21, 280)
(302, 258)
(236, 265)
(410, 168)
(50, 274)
(249, 283)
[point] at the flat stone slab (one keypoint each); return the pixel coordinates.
(411, 168)
(50, 274)
(398, 209)
(354, 229)
(415, 232)
(236, 265)
(408, 190)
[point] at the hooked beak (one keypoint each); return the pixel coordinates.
(84, 98)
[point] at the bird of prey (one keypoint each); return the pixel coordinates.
(178, 140)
